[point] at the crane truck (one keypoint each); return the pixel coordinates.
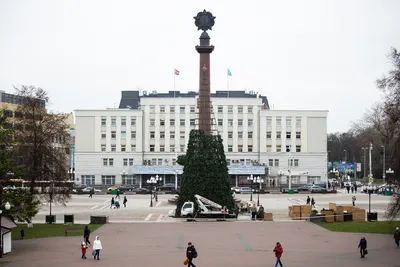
(205, 209)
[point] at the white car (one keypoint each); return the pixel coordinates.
(245, 190)
(88, 189)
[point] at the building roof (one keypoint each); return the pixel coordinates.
(160, 170)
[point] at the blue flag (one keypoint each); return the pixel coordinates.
(229, 73)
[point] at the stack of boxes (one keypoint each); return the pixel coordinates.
(300, 212)
(339, 211)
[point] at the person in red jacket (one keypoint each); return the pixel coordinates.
(278, 254)
(83, 248)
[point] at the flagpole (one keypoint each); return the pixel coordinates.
(174, 83)
(227, 83)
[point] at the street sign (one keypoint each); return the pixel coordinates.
(370, 180)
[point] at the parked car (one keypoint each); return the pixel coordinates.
(304, 188)
(141, 190)
(167, 188)
(316, 189)
(235, 189)
(78, 189)
(87, 190)
(126, 188)
(111, 188)
(245, 190)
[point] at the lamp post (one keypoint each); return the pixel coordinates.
(176, 180)
(259, 181)
(365, 161)
(370, 160)
(251, 179)
(151, 181)
(370, 190)
(384, 163)
(7, 207)
(389, 171)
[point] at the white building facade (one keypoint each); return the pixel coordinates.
(128, 145)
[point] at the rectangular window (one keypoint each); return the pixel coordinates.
(182, 135)
(182, 122)
(111, 162)
(123, 134)
(133, 121)
(174, 161)
(152, 109)
(103, 148)
(128, 180)
(288, 135)
(192, 122)
(152, 122)
(162, 109)
(162, 148)
(269, 121)
(133, 134)
(298, 148)
(249, 109)
(240, 148)
(268, 148)
(288, 148)
(125, 162)
(108, 179)
(230, 122)
(113, 134)
(103, 122)
(151, 148)
(123, 148)
(172, 148)
(162, 135)
(113, 148)
(278, 135)
(298, 122)
(240, 134)
(271, 163)
(250, 123)
(298, 135)
(171, 109)
(171, 122)
(220, 109)
(131, 162)
(159, 161)
(133, 148)
(278, 148)
(182, 148)
(276, 162)
(192, 109)
(230, 135)
(278, 122)
(269, 134)
(105, 162)
(162, 122)
(171, 135)
(296, 163)
(240, 109)
(152, 135)
(182, 109)
(288, 122)
(230, 109)
(230, 148)
(88, 179)
(250, 135)
(240, 122)
(220, 122)
(123, 121)
(113, 122)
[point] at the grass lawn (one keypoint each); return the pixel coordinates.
(382, 227)
(50, 230)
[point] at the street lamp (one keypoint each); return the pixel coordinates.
(7, 207)
(151, 181)
(154, 181)
(71, 173)
(259, 181)
(384, 164)
(176, 180)
(157, 179)
(251, 179)
(389, 171)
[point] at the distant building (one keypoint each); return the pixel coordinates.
(144, 136)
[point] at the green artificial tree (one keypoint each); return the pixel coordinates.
(205, 171)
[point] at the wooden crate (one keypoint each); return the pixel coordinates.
(359, 215)
(296, 216)
(329, 215)
(290, 211)
(332, 206)
(296, 208)
(268, 217)
(305, 216)
(306, 209)
(347, 208)
(339, 210)
(339, 217)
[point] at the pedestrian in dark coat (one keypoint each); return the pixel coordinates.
(191, 253)
(308, 200)
(363, 247)
(86, 235)
(125, 200)
(396, 236)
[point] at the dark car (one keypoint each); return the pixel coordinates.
(167, 188)
(141, 190)
(78, 189)
(126, 188)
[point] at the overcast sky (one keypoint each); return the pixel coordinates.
(300, 54)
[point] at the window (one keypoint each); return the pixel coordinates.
(159, 162)
(171, 135)
(298, 135)
(240, 109)
(240, 134)
(123, 134)
(103, 121)
(103, 148)
(249, 134)
(230, 148)
(123, 121)
(131, 162)
(133, 134)
(133, 148)
(288, 122)
(220, 109)
(152, 122)
(162, 122)
(162, 109)
(298, 148)
(113, 134)
(290, 162)
(250, 123)
(269, 121)
(269, 135)
(249, 109)
(151, 148)
(240, 148)
(278, 148)
(128, 180)
(288, 148)
(278, 135)
(162, 135)
(125, 162)
(230, 135)
(220, 122)
(182, 122)
(113, 148)
(162, 148)
(278, 122)
(123, 148)
(172, 122)
(298, 122)
(152, 135)
(111, 162)
(230, 122)
(108, 179)
(152, 109)
(182, 148)
(192, 109)
(296, 163)
(182, 109)
(240, 122)
(182, 135)
(288, 135)
(171, 109)
(88, 179)
(113, 122)
(271, 163)
(172, 148)
(230, 109)
(192, 122)
(268, 148)
(173, 161)
(276, 162)
(153, 161)
(133, 121)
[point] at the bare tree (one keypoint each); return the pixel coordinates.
(43, 142)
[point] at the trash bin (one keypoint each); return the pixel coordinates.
(50, 219)
(291, 191)
(114, 192)
(69, 218)
(388, 193)
(372, 216)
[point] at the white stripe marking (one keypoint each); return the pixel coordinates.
(106, 206)
(158, 203)
(107, 201)
(159, 218)
(92, 208)
(148, 217)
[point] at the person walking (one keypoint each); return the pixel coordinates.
(278, 250)
(396, 236)
(354, 200)
(112, 202)
(83, 249)
(308, 200)
(86, 235)
(313, 202)
(117, 194)
(191, 253)
(97, 247)
(355, 187)
(363, 247)
(91, 193)
(125, 200)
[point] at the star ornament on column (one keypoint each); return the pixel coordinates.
(204, 20)
(204, 68)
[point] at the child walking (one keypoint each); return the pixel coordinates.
(83, 248)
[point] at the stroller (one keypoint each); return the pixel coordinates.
(116, 204)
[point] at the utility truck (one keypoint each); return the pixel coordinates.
(205, 208)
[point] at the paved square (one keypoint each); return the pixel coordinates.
(233, 244)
